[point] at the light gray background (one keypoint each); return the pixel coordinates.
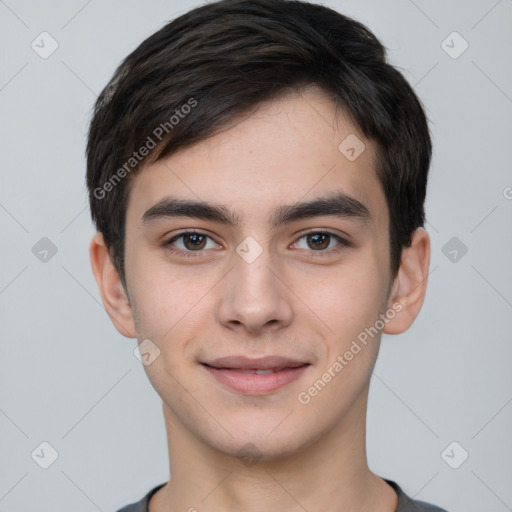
(69, 378)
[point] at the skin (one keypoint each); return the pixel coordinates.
(286, 302)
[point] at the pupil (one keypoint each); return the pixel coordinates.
(319, 237)
(195, 239)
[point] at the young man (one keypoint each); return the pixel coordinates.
(257, 174)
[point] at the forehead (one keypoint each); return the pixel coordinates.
(292, 149)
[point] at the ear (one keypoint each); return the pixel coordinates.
(410, 284)
(111, 288)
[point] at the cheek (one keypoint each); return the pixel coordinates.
(165, 305)
(166, 299)
(347, 301)
(348, 304)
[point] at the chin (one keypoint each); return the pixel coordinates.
(256, 444)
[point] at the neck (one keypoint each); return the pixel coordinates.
(329, 474)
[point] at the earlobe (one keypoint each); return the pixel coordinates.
(410, 285)
(111, 288)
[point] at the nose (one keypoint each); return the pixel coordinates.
(254, 298)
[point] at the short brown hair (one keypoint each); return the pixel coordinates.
(227, 57)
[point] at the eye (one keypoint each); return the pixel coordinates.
(189, 242)
(322, 242)
(192, 243)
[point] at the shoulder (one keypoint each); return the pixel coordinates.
(407, 504)
(141, 505)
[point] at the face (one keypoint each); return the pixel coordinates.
(256, 275)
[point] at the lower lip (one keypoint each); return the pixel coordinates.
(254, 384)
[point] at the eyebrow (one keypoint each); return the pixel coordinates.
(335, 205)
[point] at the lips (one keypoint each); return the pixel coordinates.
(261, 366)
(258, 376)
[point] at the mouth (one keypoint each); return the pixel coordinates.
(256, 376)
(258, 371)
(242, 363)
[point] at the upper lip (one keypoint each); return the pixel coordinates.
(260, 363)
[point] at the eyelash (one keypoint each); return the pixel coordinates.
(342, 243)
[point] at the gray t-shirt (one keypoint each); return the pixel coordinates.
(405, 504)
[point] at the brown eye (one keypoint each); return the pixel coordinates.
(321, 243)
(194, 241)
(318, 240)
(190, 243)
